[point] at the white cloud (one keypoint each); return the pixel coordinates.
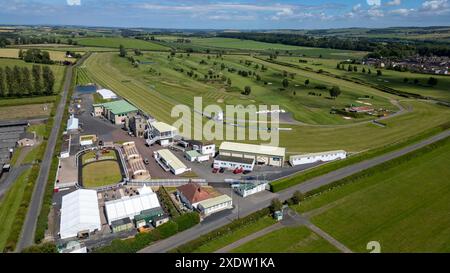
(74, 2)
(394, 3)
(374, 2)
(435, 5)
(356, 8)
(375, 12)
(402, 12)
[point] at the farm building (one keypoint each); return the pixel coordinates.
(136, 166)
(263, 155)
(72, 123)
(169, 162)
(107, 94)
(117, 111)
(138, 125)
(154, 216)
(79, 213)
(119, 225)
(213, 205)
(9, 135)
(247, 189)
(131, 206)
(207, 148)
(194, 155)
(161, 132)
(191, 194)
(232, 163)
(316, 157)
(26, 139)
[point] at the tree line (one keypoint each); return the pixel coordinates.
(22, 82)
(35, 55)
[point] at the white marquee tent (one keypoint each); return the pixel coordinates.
(79, 212)
(107, 94)
(131, 206)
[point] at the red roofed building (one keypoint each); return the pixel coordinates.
(191, 194)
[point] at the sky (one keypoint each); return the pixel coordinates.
(235, 14)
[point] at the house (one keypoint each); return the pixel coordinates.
(207, 148)
(263, 155)
(26, 139)
(130, 206)
(107, 94)
(72, 123)
(138, 125)
(214, 205)
(317, 157)
(123, 224)
(79, 213)
(191, 194)
(118, 112)
(232, 163)
(169, 162)
(161, 132)
(194, 155)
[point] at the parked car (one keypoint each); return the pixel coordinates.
(215, 170)
(238, 171)
(222, 170)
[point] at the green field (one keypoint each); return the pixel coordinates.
(102, 173)
(116, 42)
(231, 237)
(58, 70)
(287, 240)
(404, 207)
(54, 55)
(390, 78)
(157, 94)
(25, 111)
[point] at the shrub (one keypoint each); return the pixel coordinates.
(187, 220)
(44, 248)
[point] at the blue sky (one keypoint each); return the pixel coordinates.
(236, 14)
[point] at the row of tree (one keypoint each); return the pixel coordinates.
(21, 82)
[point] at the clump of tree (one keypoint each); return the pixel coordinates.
(73, 54)
(275, 205)
(35, 55)
(335, 91)
(247, 90)
(122, 51)
(432, 81)
(21, 82)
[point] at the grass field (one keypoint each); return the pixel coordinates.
(229, 238)
(101, 173)
(116, 42)
(54, 55)
(25, 101)
(25, 111)
(390, 78)
(287, 240)
(158, 94)
(9, 205)
(58, 70)
(404, 207)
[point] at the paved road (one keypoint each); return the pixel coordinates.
(12, 177)
(29, 227)
(207, 226)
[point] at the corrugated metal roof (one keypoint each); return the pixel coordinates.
(317, 154)
(252, 148)
(130, 206)
(163, 127)
(215, 201)
(171, 159)
(118, 107)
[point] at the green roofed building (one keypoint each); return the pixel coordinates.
(149, 217)
(118, 112)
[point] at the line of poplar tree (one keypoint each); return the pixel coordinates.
(22, 82)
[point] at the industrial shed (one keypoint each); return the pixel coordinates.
(216, 204)
(129, 207)
(232, 163)
(169, 162)
(107, 94)
(79, 212)
(316, 157)
(262, 154)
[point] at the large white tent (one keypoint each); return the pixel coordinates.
(79, 212)
(107, 94)
(72, 123)
(131, 206)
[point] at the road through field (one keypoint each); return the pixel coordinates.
(29, 227)
(203, 228)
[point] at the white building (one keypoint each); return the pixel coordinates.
(161, 132)
(79, 212)
(131, 206)
(72, 123)
(262, 154)
(194, 155)
(169, 162)
(107, 94)
(204, 148)
(316, 157)
(213, 205)
(247, 189)
(232, 163)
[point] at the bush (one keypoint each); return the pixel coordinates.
(44, 248)
(168, 229)
(187, 220)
